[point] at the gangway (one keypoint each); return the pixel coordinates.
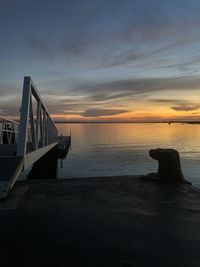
(23, 143)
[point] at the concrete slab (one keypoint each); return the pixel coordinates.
(116, 221)
(9, 167)
(8, 150)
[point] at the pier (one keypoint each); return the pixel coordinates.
(25, 142)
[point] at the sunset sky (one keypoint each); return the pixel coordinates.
(110, 60)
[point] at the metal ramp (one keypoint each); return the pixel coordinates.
(23, 143)
(10, 169)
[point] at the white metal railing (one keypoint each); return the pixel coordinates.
(36, 129)
(8, 131)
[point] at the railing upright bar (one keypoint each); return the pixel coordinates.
(2, 127)
(38, 123)
(41, 127)
(22, 142)
(32, 123)
(44, 128)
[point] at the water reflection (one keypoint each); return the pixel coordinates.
(120, 149)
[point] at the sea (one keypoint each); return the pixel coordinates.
(113, 149)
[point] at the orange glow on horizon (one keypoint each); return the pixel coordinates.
(158, 114)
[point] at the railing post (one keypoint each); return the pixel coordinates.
(32, 123)
(38, 123)
(22, 142)
(2, 133)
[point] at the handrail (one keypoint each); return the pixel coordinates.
(9, 120)
(8, 131)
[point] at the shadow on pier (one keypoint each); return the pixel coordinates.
(46, 167)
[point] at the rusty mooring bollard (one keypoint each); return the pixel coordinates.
(169, 165)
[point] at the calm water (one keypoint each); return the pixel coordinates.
(122, 149)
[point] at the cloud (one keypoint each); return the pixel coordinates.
(110, 33)
(7, 90)
(104, 97)
(10, 99)
(165, 100)
(102, 112)
(186, 107)
(103, 49)
(40, 45)
(93, 98)
(129, 88)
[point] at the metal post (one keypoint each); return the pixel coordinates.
(21, 148)
(38, 123)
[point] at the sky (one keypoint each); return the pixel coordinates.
(103, 60)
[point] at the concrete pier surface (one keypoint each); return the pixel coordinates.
(110, 221)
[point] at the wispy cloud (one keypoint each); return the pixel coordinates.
(165, 100)
(102, 112)
(186, 107)
(134, 87)
(41, 45)
(96, 34)
(94, 98)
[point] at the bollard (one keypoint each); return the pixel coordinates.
(169, 165)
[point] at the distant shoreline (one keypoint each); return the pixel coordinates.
(126, 122)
